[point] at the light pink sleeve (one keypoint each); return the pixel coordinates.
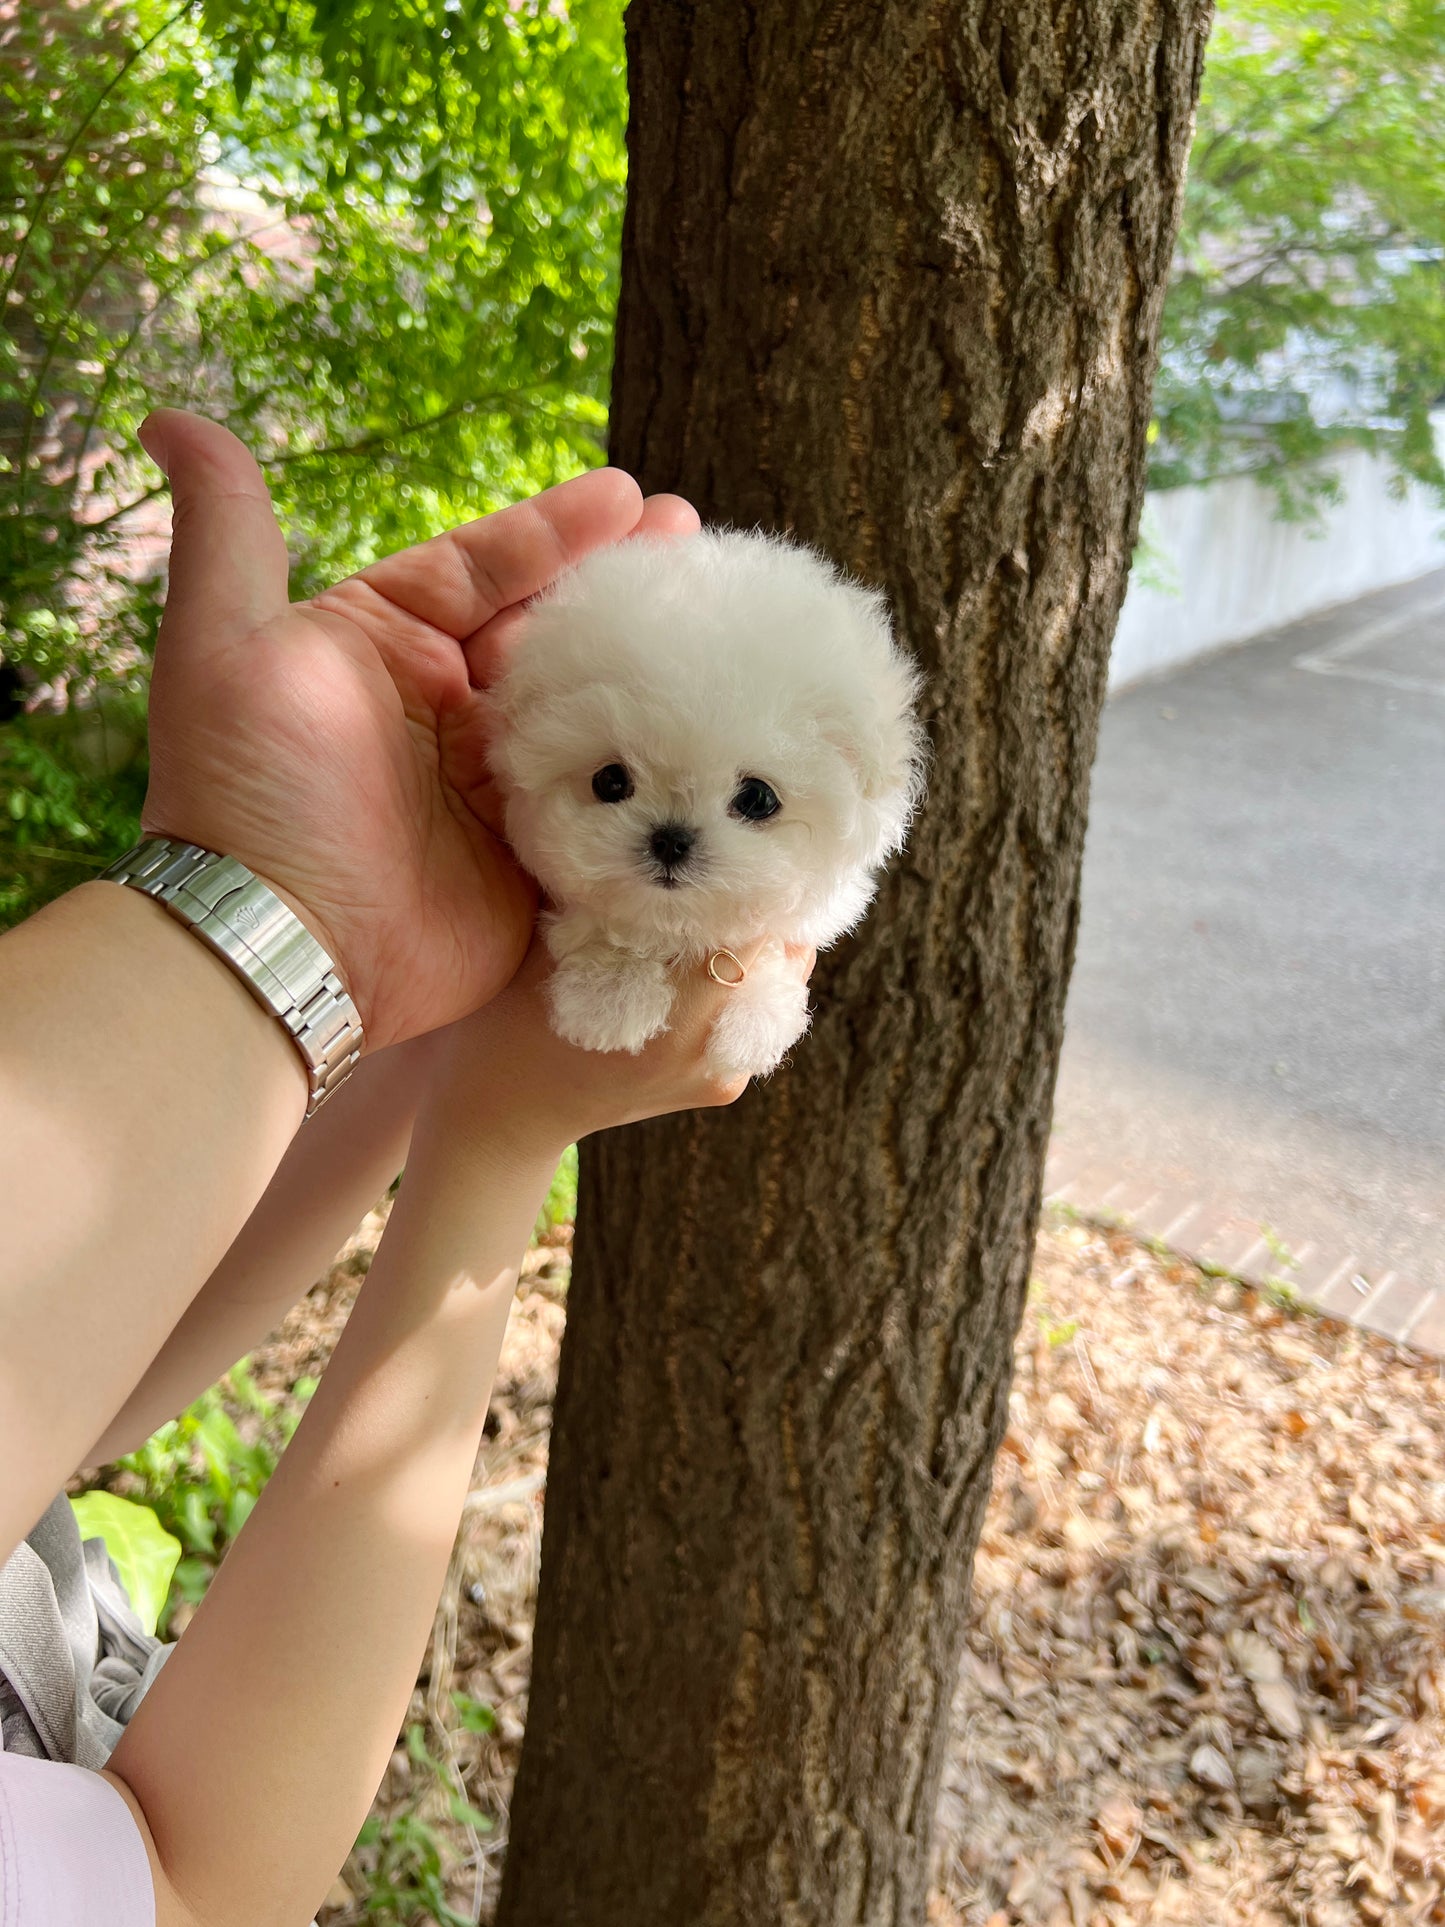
(70, 1854)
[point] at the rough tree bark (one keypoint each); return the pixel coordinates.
(892, 279)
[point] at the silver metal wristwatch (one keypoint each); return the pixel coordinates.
(266, 944)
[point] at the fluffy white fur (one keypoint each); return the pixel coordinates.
(694, 665)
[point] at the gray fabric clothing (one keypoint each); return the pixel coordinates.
(74, 1659)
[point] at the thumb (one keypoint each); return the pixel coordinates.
(229, 568)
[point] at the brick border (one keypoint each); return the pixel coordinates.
(1335, 1283)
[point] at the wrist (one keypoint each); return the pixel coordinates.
(303, 902)
(139, 940)
(486, 1106)
(227, 907)
(505, 1154)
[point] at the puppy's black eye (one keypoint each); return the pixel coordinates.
(755, 800)
(612, 784)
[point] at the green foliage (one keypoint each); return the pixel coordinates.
(1307, 306)
(406, 313)
(472, 1715)
(405, 1881)
(560, 1206)
(71, 788)
(421, 1755)
(1278, 1249)
(201, 1474)
(402, 1854)
(380, 242)
(141, 1550)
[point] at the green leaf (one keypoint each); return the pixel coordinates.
(466, 1815)
(561, 1201)
(473, 1714)
(1307, 304)
(142, 1551)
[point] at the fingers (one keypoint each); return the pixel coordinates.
(801, 958)
(701, 997)
(458, 582)
(485, 649)
(668, 515)
(511, 1050)
(229, 568)
(776, 960)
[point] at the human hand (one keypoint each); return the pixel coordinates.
(504, 1074)
(336, 747)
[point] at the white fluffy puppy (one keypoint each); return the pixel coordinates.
(702, 742)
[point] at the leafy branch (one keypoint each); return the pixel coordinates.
(82, 128)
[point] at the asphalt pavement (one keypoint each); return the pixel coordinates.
(1256, 1026)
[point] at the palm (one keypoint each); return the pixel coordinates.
(345, 771)
(336, 747)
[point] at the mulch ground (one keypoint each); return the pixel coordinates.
(1204, 1682)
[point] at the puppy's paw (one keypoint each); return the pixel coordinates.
(759, 1024)
(609, 1002)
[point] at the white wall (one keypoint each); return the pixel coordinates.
(1239, 571)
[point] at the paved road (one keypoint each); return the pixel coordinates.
(1258, 1010)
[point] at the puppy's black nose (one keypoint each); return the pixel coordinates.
(670, 844)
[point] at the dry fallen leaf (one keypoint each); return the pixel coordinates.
(1208, 1583)
(1210, 1768)
(1255, 1657)
(1220, 1646)
(1280, 1707)
(1118, 1822)
(1257, 1772)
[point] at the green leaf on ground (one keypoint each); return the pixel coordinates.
(143, 1552)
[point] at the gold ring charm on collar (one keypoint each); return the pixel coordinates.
(726, 957)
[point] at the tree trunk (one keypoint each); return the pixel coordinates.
(892, 277)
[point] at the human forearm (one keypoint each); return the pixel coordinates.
(331, 1175)
(335, 748)
(145, 1101)
(298, 1666)
(325, 1602)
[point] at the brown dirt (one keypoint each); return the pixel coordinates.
(1205, 1676)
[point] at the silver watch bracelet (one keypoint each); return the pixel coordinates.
(273, 953)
